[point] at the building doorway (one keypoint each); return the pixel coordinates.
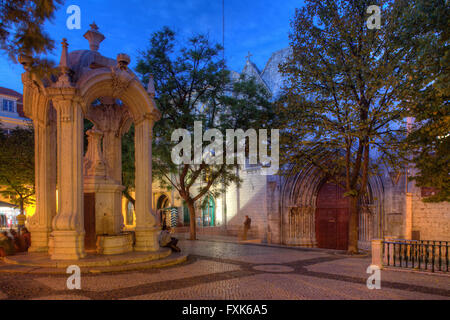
(186, 215)
(332, 216)
(90, 237)
(208, 212)
(163, 202)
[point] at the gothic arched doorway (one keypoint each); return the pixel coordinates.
(208, 212)
(163, 202)
(332, 214)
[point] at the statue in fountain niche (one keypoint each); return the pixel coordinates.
(104, 216)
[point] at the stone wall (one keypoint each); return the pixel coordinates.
(430, 220)
(249, 199)
(427, 221)
(273, 209)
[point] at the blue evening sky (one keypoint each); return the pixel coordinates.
(258, 26)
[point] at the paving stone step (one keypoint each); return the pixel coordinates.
(173, 259)
(43, 260)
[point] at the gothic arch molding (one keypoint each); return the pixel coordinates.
(298, 206)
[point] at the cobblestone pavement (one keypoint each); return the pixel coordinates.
(216, 270)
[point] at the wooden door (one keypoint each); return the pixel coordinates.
(327, 228)
(332, 216)
(90, 239)
(342, 216)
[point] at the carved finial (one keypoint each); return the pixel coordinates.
(93, 26)
(151, 86)
(64, 78)
(123, 60)
(64, 61)
(94, 37)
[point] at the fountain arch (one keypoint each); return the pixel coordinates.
(57, 106)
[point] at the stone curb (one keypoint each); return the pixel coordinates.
(154, 264)
(104, 261)
(298, 248)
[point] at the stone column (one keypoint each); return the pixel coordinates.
(40, 224)
(146, 229)
(312, 226)
(68, 224)
(377, 253)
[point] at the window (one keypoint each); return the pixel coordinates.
(8, 105)
(208, 212)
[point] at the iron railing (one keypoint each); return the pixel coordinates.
(425, 255)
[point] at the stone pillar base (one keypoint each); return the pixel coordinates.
(302, 242)
(68, 245)
(116, 244)
(377, 253)
(39, 241)
(147, 239)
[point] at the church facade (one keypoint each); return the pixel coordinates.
(304, 209)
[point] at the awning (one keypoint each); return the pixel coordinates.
(7, 205)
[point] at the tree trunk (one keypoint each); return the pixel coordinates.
(353, 225)
(21, 205)
(192, 227)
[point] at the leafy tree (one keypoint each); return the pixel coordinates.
(428, 143)
(17, 166)
(193, 84)
(21, 28)
(340, 106)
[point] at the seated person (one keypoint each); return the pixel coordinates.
(166, 240)
(26, 238)
(6, 245)
(15, 240)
